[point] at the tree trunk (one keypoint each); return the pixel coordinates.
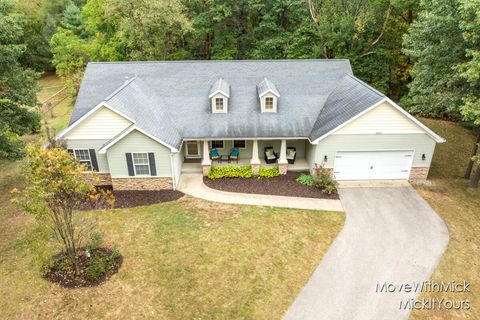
(475, 179)
(468, 171)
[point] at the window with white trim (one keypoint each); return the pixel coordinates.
(240, 144)
(141, 164)
(219, 104)
(216, 144)
(268, 103)
(83, 156)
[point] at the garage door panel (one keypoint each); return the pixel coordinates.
(372, 165)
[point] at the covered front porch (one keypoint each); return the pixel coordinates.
(290, 154)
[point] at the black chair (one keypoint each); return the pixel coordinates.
(270, 155)
(291, 154)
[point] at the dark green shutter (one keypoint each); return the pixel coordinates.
(93, 157)
(131, 172)
(151, 161)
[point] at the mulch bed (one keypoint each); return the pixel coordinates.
(283, 185)
(136, 198)
(68, 279)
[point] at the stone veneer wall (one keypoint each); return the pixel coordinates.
(150, 183)
(99, 178)
(418, 174)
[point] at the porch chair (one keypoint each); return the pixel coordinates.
(270, 155)
(291, 154)
(214, 155)
(234, 155)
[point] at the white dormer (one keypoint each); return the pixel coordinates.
(268, 95)
(219, 95)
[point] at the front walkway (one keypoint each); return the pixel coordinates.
(391, 236)
(192, 184)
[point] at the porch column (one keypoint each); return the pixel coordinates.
(255, 161)
(282, 160)
(206, 162)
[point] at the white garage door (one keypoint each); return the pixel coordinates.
(372, 165)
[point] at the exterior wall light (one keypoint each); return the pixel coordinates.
(325, 158)
(423, 157)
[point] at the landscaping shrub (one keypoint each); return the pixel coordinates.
(230, 172)
(269, 172)
(306, 179)
(96, 267)
(324, 180)
(99, 263)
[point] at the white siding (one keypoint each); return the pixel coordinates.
(102, 124)
(137, 142)
(382, 119)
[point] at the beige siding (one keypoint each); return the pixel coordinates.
(383, 118)
(102, 124)
(420, 143)
(91, 144)
(137, 142)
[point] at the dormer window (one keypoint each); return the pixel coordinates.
(268, 95)
(268, 103)
(219, 95)
(219, 106)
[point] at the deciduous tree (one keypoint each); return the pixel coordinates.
(56, 188)
(18, 88)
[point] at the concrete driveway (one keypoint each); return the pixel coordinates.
(391, 235)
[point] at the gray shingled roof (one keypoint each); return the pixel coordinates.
(136, 100)
(349, 98)
(316, 96)
(222, 86)
(266, 86)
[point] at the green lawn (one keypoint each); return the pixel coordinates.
(459, 207)
(187, 259)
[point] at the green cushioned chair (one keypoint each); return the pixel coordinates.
(291, 154)
(214, 155)
(234, 155)
(270, 155)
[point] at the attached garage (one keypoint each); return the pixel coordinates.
(381, 143)
(373, 165)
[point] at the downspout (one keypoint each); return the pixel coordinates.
(172, 167)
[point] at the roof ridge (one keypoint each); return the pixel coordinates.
(123, 86)
(217, 61)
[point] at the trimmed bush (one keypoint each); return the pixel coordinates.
(230, 172)
(306, 179)
(269, 172)
(324, 180)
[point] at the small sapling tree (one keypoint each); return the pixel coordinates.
(56, 188)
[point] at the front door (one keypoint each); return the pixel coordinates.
(193, 149)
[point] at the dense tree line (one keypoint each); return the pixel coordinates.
(424, 54)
